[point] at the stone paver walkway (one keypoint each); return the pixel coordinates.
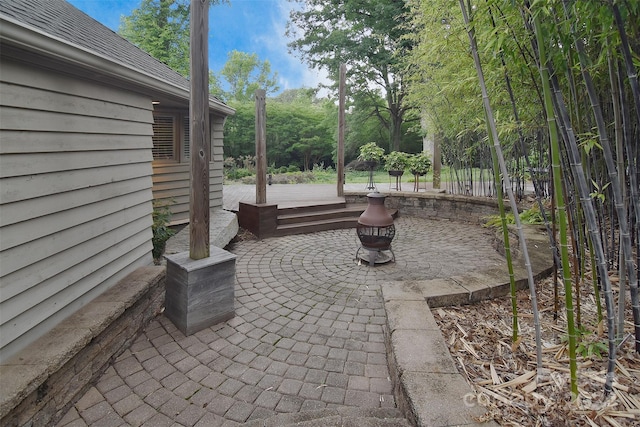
(308, 334)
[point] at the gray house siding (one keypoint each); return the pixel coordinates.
(171, 178)
(75, 195)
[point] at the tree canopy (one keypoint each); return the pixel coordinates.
(245, 73)
(160, 28)
(300, 132)
(365, 35)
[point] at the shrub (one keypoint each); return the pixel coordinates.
(284, 178)
(229, 162)
(160, 228)
(396, 161)
(370, 152)
(238, 173)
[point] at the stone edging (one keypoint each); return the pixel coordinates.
(427, 385)
(40, 383)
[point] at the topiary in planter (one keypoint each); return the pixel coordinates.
(370, 152)
(396, 161)
(419, 164)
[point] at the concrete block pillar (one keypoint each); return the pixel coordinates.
(200, 293)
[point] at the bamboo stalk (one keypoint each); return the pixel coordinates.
(589, 210)
(492, 129)
(558, 193)
(614, 179)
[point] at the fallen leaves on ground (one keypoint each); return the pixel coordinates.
(503, 373)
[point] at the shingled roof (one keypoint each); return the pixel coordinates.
(62, 21)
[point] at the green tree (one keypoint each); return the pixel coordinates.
(298, 132)
(366, 36)
(297, 135)
(239, 131)
(550, 71)
(215, 85)
(245, 73)
(161, 28)
(303, 95)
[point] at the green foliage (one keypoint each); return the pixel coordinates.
(298, 96)
(298, 132)
(160, 229)
(237, 173)
(239, 131)
(592, 348)
(160, 28)
(370, 152)
(297, 177)
(245, 73)
(362, 126)
(396, 161)
(420, 163)
(528, 216)
(598, 193)
(589, 344)
(367, 37)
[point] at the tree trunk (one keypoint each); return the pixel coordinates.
(395, 132)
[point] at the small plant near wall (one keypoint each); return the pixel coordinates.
(370, 152)
(160, 229)
(371, 155)
(419, 164)
(396, 161)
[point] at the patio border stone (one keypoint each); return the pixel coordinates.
(40, 383)
(428, 387)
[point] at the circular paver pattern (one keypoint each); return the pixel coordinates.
(308, 333)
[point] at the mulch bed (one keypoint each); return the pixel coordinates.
(504, 374)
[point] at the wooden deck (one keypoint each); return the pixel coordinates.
(291, 209)
(285, 195)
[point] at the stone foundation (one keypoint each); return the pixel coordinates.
(43, 381)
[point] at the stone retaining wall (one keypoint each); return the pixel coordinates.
(43, 381)
(434, 205)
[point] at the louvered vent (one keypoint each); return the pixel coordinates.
(186, 153)
(163, 141)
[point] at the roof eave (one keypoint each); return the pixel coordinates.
(35, 40)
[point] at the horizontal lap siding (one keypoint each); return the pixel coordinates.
(171, 180)
(75, 196)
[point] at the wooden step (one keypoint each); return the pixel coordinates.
(317, 215)
(312, 207)
(317, 225)
(316, 222)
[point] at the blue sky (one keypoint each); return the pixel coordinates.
(252, 26)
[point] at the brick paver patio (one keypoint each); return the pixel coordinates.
(308, 333)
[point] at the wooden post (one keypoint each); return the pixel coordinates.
(261, 146)
(199, 131)
(437, 159)
(341, 107)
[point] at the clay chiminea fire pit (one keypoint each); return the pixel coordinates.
(376, 231)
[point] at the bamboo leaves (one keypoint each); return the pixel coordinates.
(503, 168)
(565, 94)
